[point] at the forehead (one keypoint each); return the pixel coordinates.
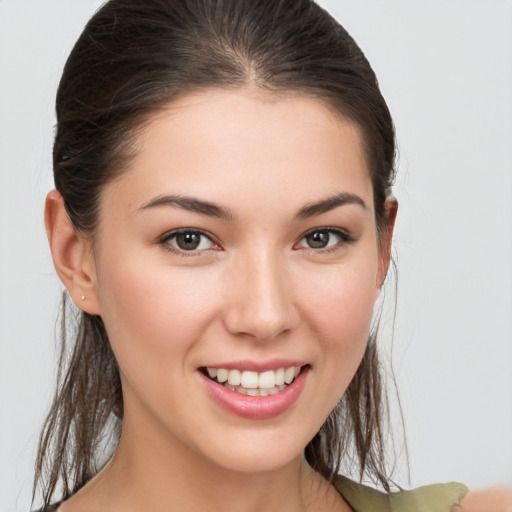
(234, 144)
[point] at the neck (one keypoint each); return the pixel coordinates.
(148, 474)
(157, 479)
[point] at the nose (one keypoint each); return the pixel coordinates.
(260, 301)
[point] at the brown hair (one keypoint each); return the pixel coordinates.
(132, 59)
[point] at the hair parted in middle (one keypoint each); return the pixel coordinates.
(131, 61)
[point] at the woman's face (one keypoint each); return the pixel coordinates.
(241, 243)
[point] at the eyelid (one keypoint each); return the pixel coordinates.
(345, 237)
(164, 241)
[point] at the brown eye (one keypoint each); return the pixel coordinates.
(189, 241)
(318, 239)
(325, 238)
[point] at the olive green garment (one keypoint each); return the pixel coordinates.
(430, 498)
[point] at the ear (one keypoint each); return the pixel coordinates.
(386, 237)
(72, 255)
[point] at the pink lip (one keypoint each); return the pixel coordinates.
(254, 366)
(256, 407)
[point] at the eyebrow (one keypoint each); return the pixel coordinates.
(190, 204)
(210, 209)
(326, 205)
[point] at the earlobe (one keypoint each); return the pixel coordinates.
(72, 255)
(386, 237)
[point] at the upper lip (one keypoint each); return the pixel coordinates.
(257, 366)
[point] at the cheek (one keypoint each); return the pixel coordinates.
(340, 307)
(344, 302)
(153, 308)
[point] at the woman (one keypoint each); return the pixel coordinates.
(223, 218)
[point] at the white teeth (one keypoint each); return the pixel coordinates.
(267, 379)
(235, 377)
(249, 380)
(289, 375)
(222, 375)
(255, 392)
(254, 383)
(279, 378)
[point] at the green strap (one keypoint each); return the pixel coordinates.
(430, 498)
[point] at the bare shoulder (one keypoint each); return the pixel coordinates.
(486, 500)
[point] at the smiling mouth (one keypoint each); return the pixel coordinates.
(254, 383)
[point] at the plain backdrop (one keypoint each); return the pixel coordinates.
(445, 68)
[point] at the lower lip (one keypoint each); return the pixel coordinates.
(256, 407)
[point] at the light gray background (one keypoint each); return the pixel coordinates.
(445, 67)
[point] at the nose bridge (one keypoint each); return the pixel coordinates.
(260, 303)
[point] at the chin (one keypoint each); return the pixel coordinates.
(254, 461)
(254, 453)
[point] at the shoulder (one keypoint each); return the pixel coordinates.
(488, 500)
(430, 498)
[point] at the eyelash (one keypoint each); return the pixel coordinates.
(165, 242)
(344, 238)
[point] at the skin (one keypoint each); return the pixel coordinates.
(253, 290)
(488, 500)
